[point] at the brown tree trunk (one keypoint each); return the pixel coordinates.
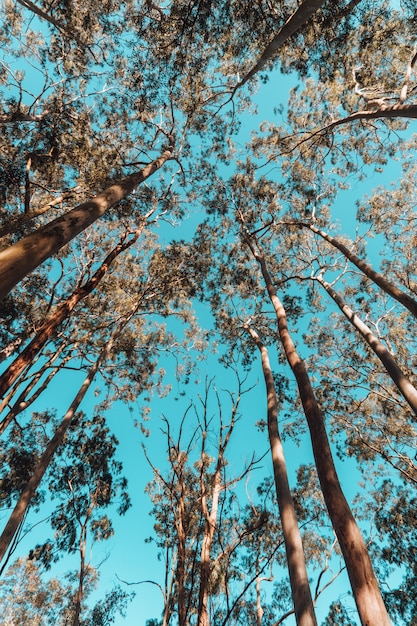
(81, 577)
(300, 589)
(181, 574)
(210, 515)
(63, 310)
(28, 492)
(209, 528)
(380, 280)
(18, 260)
(407, 390)
(304, 12)
(24, 400)
(371, 608)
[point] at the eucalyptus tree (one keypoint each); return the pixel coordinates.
(42, 463)
(191, 507)
(20, 258)
(303, 603)
(365, 587)
(48, 329)
(382, 281)
(27, 598)
(86, 480)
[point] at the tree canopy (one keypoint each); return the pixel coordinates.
(208, 265)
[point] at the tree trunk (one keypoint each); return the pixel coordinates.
(28, 492)
(28, 253)
(371, 608)
(210, 516)
(294, 23)
(24, 400)
(259, 609)
(407, 390)
(205, 570)
(380, 280)
(81, 577)
(63, 310)
(182, 603)
(300, 589)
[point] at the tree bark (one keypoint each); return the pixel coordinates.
(209, 528)
(371, 608)
(300, 589)
(181, 562)
(294, 23)
(380, 280)
(407, 390)
(46, 331)
(28, 492)
(24, 256)
(81, 577)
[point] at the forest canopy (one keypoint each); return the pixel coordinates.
(208, 312)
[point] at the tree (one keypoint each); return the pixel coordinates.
(27, 598)
(191, 532)
(24, 256)
(64, 309)
(147, 102)
(303, 603)
(364, 584)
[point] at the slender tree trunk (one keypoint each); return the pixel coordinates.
(300, 589)
(380, 280)
(407, 390)
(259, 609)
(304, 12)
(181, 563)
(28, 492)
(62, 311)
(24, 256)
(371, 608)
(24, 400)
(81, 577)
(209, 528)
(210, 516)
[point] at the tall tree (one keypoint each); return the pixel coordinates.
(365, 587)
(24, 256)
(303, 603)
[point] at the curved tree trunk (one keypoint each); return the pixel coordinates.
(300, 589)
(371, 608)
(407, 390)
(21, 258)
